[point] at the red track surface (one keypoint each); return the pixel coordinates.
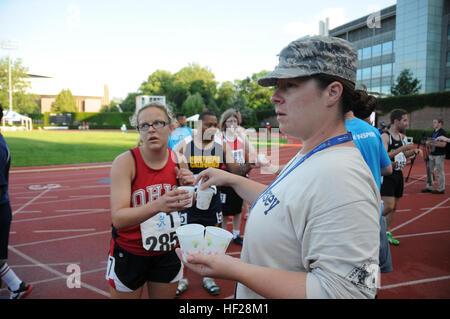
(69, 222)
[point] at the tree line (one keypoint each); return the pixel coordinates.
(194, 89)
(190, 91)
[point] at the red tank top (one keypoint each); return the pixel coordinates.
(149, 184)
(237, 147)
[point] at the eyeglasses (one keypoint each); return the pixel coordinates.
(156, 125)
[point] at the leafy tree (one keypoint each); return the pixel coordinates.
(406, 84)
(64, 102)
(23, 102)
(254, 95)
(194, 104)
(159, 82)
(129, 104)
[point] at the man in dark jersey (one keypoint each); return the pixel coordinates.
(18, 289)
(205, 149)
(399, 151)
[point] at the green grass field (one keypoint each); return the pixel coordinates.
(41, 148)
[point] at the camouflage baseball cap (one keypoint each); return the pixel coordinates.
(315, 55)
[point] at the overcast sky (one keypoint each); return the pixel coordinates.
(86, 44)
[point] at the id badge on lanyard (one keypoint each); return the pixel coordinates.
(344, 138)
(158, 232)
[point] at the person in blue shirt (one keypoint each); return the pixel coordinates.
(181, 132)
(18, 289)
(369, 142)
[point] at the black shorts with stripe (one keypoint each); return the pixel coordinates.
(127, 272)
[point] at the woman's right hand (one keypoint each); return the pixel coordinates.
(213, 176)
(172, 201)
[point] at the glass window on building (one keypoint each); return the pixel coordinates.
(376, 50)
(386, 69)
(387, 47)
(448, 58)
(375, 89)
(366, 53)
(366, 73)
(376, 71)
(360, 54)
(358, 75)
(447, 84)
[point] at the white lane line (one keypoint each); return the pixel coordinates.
(420, 179)
(88, 196)
(50, 265)
(63, 230)
(30, 211)
(59, 278)
(82, 210)
(421, 215)
(67, 200)
(56, 216)
(31, 201)
(415, 282)
(423, 234)
(59, 274)
(61, 238)
(441, 207)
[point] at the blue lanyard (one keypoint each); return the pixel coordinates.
(344, 138)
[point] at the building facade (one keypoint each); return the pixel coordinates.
(84, 103)
(413, 34)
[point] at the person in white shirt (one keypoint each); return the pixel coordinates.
(314, 232)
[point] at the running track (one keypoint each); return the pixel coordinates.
(61, 223)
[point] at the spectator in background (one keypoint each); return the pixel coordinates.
(232, 204)
(399, 151)
(181, 132)
(172, 127)
(369, 142)
(205, 149)
(436, 159)
(18, 289)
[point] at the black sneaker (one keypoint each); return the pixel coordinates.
(426, 190)
(437, 192)
(238, 240)
(21, 293)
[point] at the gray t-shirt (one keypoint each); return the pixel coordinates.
(323, 219)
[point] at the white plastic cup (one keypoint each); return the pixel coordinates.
(216, 240)
(191, 190)
(204, 197)
(191, 238)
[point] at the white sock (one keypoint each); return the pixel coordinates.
(8, 276)
(236, 233)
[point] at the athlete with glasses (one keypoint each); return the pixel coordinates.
(144, 208)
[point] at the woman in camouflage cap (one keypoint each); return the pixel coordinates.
(314, 232)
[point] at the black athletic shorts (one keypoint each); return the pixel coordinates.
(392, 185)
(5, 225)
(231, 202)
(126, 272)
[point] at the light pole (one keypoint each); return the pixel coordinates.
(10, 45)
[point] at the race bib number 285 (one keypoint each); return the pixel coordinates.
(158, 233)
